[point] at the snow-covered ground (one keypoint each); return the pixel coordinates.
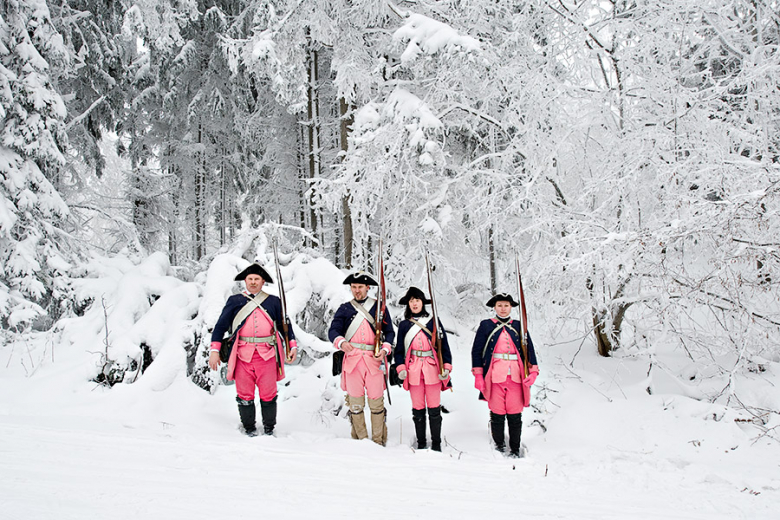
(72, 449)
(600, 445)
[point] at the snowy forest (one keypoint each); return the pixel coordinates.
(626, 152)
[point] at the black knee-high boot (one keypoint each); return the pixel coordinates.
(268, 411)
(246, 411)
(434, 415)
(497, 430)
(418, 416)
(515, 424)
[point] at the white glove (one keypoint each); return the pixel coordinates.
(445, 375)
(402, 375)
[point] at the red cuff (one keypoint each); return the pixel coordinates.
(477, 371)
(216, 345)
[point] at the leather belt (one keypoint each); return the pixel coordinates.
(422, 353)
(362, 346)
(506, 357)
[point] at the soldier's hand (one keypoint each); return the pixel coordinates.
(347, 347)
(214, 360)
(291, 356)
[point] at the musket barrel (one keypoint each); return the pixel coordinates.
(283, 300)
(436, 338)
(523, 317)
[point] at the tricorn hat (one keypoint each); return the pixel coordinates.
(502, 297)
(254, 268)
(413, 292)
(360, 277)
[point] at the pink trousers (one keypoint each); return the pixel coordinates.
(422, 394)
(506, 397)
(360, 382)
(258, 372)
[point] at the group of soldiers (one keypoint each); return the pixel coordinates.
(503, 359)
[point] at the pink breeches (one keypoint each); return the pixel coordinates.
(506, 397)
(360, 382)
(422, 394)
(258, 372)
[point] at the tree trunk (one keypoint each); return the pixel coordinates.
(302, 177)
(603, 341)
(199, 217)
(608, 337)
(346, 120)
(492, 254)
(223, 209)
(139, 200)
(314, 133)
(173, 219)
(173, 246)
(491, 229)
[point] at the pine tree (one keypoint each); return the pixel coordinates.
(33, 247)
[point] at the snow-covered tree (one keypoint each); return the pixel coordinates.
(94, 86)
(394, 174)
(34, 248)
(653, 218)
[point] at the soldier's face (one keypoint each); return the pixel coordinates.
(415, 305)
(254, 282)
(359, 290)
(503, 309)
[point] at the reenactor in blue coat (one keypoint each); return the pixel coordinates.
(418, 366)
(501, 371)
(353, 331)
(257, 355)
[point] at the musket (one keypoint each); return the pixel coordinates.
(436, 334)
(381, 303)
(523, 317)
(285, 317)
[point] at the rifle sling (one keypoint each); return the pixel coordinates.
(246, 310)
(501, 325)
(357, 320)
(410, 337)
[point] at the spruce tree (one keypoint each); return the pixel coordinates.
(33, 246)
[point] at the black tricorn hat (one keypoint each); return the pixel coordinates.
(254, 268)
(413, 292)
(502, 297)
(360, 277)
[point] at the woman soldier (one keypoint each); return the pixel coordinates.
(499, 366)
(418, 366)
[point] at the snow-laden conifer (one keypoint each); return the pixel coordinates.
(34, 250)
